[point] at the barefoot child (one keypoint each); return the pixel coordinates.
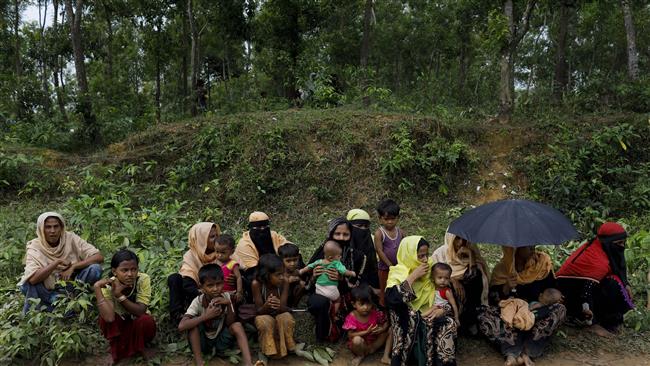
(324, 285)
(290, 255)
(210, 319)
(122, 301)
(223, 249)
(274, 321)
(387, 239)
(441, 274)
(367, 327)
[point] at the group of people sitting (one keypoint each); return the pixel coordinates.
(382, 291)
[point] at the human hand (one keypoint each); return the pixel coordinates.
(419, 271)
(333, 274)
(433, 313)
(318, 270)
(273, 302)
(220, 301)
(117, 287)
(214, 310)
(293, 279)
(237, 296)
(67, 274)
(102, 283)
(376, 329)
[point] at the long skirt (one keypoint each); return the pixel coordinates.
(128, 337)
(473, 286)
(511, 341)
(276, 334)
(608, 300)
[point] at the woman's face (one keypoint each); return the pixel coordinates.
(212, 237)
(523, 254)
(126, 272)
(423, 253)
(341, 233)
(459, 243)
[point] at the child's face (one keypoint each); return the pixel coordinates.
(277, 278)
(362, 307)
(423, 253)
(388, 221)
(441, 278)
(549, 297)
(223, 252)
(212, 287)
(291, 263)
(126, 272)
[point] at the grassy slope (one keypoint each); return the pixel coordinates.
(329, 162)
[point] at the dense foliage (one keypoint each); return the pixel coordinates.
(157, 60)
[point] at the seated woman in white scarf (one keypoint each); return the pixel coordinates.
(56, 254)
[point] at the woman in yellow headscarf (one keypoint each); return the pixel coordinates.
(419, 329)
(183, 286)
(522, 273)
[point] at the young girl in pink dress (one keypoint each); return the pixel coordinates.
(367, 327)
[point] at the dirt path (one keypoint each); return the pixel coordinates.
(343, 357)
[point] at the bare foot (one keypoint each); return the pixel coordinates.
(259, 363)
(511, 361)
(385, 360)
(600, 331)
(520, 360)
(356, 361)
(527, 360)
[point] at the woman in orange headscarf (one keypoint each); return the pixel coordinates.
(183, 286)
(522, 273)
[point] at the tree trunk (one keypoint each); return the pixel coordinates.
(44, 74)
(55, 70)
(109, 43)
(632, 54)
(517, 31)
(194, 55)
(158, 114)
(84, 102)
(561, 78)
(18, 69)
(365, 51)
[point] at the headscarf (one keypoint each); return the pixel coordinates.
(461, 260)
(195, 258)
(40, 253)
(261, 237)
(407, 261)
(362, 241)
(597, 257)
(537, 267)
(351, 259)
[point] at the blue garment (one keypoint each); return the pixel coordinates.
(89, 275)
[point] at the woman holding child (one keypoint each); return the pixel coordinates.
(184, 285)
(328, 316)
(522, 276)
(420, 330)
(469, 277)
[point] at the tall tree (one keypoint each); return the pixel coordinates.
(194, 57)
(368, 15)
(630, 33)
(84, 102)
(561, 73)
(57, 66)
(516, 31)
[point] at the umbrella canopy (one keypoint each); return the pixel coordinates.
(514, 223)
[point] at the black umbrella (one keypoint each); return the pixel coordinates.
(515, 223)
